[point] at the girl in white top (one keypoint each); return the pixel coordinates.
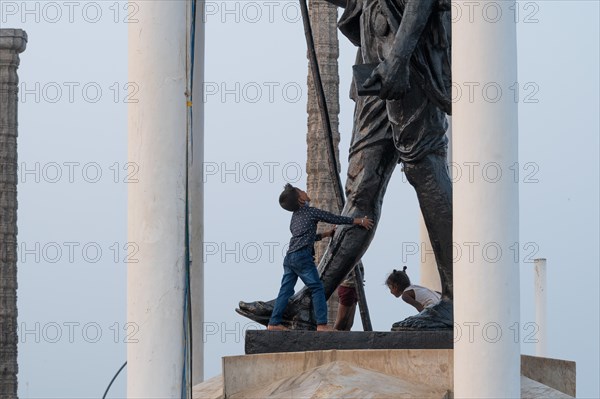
(420, 297)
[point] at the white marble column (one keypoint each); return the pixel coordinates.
(158, 64)
(196, 188)
(485, 201)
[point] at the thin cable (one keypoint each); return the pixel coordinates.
(186, 383)
(113, 380)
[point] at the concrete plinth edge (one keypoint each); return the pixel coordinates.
(431, 369)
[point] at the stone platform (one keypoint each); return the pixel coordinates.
(359, 374)
(261, 341)
(357, 365)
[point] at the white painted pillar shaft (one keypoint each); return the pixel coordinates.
(485, 201)
(196, 187)
(540, 306)
(156, 203)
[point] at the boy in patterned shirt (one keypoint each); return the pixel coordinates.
(299, 260)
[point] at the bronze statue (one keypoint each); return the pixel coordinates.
(409, 43)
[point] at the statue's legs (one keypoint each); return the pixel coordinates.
(423, 146)
(431, 181)
(373, 158)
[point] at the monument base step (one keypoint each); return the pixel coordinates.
(355, 374)
(261, 341)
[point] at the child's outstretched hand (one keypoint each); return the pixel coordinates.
(364, 222)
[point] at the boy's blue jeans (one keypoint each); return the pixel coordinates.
(300, 264)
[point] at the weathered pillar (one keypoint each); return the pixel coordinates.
(12, 42)
(320, 186)
(158, 136)
(485, 201)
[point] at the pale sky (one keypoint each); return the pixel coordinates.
(73, 182)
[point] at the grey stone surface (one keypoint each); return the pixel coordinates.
(209, 389)
(12, 42)
(430, 367)
(555, 373)
(531, 389)
(340, 379)
(426, 373)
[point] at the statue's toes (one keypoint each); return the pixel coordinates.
(397, 324)
(247, 306)
(408, 323)
(257, 307)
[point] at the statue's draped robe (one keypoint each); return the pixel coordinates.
(419, 118)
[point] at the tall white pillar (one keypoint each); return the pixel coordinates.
(540, 306)
(485, 200)
(158, 51)
(196, 188)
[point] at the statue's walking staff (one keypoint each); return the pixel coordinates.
(333, 168)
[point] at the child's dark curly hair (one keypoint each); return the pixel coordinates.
(398, 279)
(288, 199)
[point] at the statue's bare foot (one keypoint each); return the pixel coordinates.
(255, 311)
(296, 316)
(258, 308)
(436, 317)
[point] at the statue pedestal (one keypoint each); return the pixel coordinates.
(355, 374)
(261, 341)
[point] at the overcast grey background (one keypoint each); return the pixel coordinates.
(66, 299)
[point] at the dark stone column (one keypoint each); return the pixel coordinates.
(12, 42)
